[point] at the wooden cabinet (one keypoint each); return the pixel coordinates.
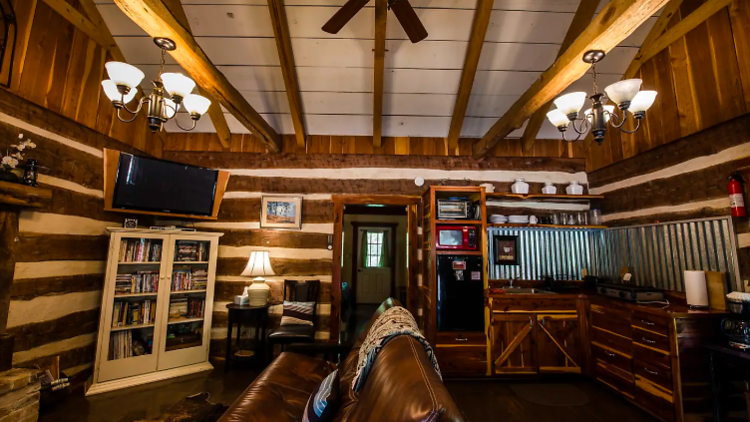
(558, 341)
(461, 353)
(513, 344)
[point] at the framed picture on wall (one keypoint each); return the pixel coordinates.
(506, 250)
(281, 212)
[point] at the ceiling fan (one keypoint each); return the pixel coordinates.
(401, 8)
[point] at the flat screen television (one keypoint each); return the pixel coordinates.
(152, 185)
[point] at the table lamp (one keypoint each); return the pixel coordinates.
(259, 265)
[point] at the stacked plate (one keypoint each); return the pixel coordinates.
(518, 219)
(498, 219)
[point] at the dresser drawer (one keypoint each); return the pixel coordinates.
(649, 322)
(461, 337)
(613, 357)
(610, 339)
(612, 320)
(613, 380)
(650, 340)
(659, 407)
(648, 373)
(652, 355)
(462, 360)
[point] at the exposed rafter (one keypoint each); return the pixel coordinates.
(67, 11)
(288, 68)
(656, 31)
(214, 112)
(661, 41)
(585, 12)
(612, 25)
(381, 20)
(92, 12)
(473, 52)
(154, 18)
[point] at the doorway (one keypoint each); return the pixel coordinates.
(375, 255)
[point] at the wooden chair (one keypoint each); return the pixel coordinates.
(297, 291)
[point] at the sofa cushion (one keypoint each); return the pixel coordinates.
(324, 401)
(281, 392)
(297, 313)
(294, 332)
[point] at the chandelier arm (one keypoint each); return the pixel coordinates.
(637, 126)
(135, 115)
(140, 105)
(174, 116)
(570, 141)
(621, 120)
(585, 126)
(177, 121)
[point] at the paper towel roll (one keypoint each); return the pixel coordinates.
(696, 289)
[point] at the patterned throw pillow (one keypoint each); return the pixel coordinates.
(297, 313)
(324, 401)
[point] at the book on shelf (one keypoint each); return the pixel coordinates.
(186, 307)
(191, 251)
(185, 278)
(126, 313)
(140, 250)
(139, 282)
(126, 344)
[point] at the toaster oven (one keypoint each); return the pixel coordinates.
(452, 209)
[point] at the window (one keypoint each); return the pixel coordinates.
(374, 251)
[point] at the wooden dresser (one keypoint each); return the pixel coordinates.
(654, 356)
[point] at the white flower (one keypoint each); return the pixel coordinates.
(30, 144)
(10, 162)
(17, 155)
(20, 147)
(20, 136)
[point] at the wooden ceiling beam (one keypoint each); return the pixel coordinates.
(381, 20)
(471, 62)
(154, 18)
(214, 111)
(288, 68)
(585, 12)
(612, 25)
(665, 37)
(92, 12)
(81, 22)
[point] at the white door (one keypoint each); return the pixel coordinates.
(374, 261)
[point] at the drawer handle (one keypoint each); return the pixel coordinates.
(650, 371)
(461, 339)
(648, 322)
(648, 341)
(610, 354)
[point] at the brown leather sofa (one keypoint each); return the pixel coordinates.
(402, 387)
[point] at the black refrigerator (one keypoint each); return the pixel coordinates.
(460, 300)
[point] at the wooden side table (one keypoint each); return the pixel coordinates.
(256, 316)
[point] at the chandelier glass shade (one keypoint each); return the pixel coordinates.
(172, 92)
(626, 95)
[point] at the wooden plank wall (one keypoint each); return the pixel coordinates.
(703, 79)
(684, 179)
(304, 254)
(62, 248)
(60, 68)
(318, 144)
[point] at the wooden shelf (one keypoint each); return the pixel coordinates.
(130, 327)
(24, 196)
(546, 226)
(183, 320)
(190, 263)
(130, 295)
(457, 252)
(543, 197)
(460, 222)
(185, 292)
(140, 263)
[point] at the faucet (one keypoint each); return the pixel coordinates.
(511, 282)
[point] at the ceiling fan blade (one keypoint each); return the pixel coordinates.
(409, 20)
(344, 15)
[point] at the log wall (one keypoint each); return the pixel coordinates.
(703, 79)
(304, 254)
(61, 251)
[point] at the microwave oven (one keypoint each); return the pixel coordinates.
(462, 238)
(452, 209)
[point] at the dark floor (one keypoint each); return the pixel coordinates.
(480, 401)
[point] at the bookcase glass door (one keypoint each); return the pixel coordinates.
(185, 336)
(132, 327)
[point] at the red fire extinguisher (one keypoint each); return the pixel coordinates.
(736, 198)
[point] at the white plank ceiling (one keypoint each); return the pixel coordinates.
(336, 71)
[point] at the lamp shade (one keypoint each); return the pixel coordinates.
(258, 265)
(610, 109)
(110, 89)
(124, 74)
(177, 84)
(558, 118)
(623, 91)
(170, 108)
(196, 104)
(571, 103)
(642, 101)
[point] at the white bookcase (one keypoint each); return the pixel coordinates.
(157, 304)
